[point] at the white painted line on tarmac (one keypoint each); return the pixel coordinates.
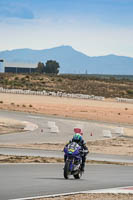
(122, 190)
(48, 196)
(35, 117)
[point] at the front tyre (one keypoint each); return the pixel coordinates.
(66, 169)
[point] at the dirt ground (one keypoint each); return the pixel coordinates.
(27, 159)
(38, 159)
(108, 110)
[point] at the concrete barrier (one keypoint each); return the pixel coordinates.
(119, 130)
(51, 124)
(107, 133)
(54, 129)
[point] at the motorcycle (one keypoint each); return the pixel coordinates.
(73, 160)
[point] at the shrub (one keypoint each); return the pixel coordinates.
(1, 101)
(23, 79)
(130, 91)
(59, 80)
(16, 78)
(27, 77)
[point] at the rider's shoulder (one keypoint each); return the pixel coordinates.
(83, 142)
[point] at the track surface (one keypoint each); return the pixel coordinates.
(29, 180)
(65, 127)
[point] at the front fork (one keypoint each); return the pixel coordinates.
(71, 166)
(71, 163)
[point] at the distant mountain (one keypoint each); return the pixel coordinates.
(72, 61)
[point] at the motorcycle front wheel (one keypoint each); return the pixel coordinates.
(66, 170)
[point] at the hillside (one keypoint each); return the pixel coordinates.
(72, 61)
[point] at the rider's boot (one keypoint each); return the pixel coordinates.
(82, 167)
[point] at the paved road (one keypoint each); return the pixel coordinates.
(65, 133)
(65, 126)
(28, 180)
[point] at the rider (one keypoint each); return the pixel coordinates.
(79, 140)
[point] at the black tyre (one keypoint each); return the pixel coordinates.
(78, 176)
(66, 170)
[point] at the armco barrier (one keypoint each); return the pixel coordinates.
(61, 94)
(124, 100)
(45, 93)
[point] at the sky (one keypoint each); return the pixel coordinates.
(94, 27)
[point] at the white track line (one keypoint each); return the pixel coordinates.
(118, 190)
(35, 117)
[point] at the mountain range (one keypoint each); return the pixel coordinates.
(72, 61)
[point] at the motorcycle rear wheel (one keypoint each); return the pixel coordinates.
(78, 176)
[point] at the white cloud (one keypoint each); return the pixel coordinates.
(92, 39)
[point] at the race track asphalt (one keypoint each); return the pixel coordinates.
(43, 133)
(30, 180)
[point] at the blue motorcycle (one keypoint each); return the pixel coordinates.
(73, 160)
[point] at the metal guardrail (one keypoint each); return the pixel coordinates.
(124, 100)
(45, 93)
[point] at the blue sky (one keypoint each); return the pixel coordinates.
(94, 27)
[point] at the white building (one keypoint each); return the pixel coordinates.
(2, 68)
(15, 67)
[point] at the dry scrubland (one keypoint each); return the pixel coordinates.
(92, 85)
